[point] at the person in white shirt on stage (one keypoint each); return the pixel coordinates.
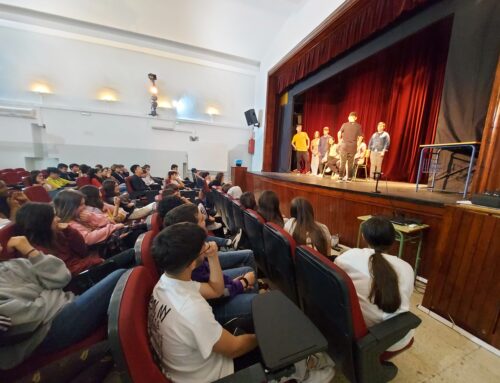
(384, 283)
(323, 148)
(190, 345)
(378, 145)
(315, 154)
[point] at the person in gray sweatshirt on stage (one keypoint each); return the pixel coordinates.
(36, 315)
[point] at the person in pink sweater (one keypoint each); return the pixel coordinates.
(94, 228)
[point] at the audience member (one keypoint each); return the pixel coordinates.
(111, 190)
(117, 173)
(168, 203)
(226, 187)
(304, 229)
(191, 345)
(218, 181)
(84, 170)
(247, 200)
(173, 179)
(138, 185)
(54, 179)
(47, 318)
(269, 208)
(235, 192)
(149, 180)
(63, 168)
(10, 202)
(98, 166)
(384, 283)
(94, 204)
(37, 178)
(74, 171)
(95, 176)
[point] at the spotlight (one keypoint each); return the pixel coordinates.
(153, 89)
(154, 98)
(152, 77)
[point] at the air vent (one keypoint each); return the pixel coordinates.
(11, 111)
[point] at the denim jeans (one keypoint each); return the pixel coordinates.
(237, 258)
(219, 241)
(80, 318)
(239, 306)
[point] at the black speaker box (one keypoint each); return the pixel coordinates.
(251, 117)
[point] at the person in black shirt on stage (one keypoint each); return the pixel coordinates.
(349, 136)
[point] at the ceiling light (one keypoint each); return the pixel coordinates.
(164, 104)
(108, 95)
(212, 111)
(153, 89)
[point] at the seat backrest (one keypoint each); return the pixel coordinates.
(239, 223)
(26, 181)
(6, 170)
(37, 193)
(154, 223)
(19, 169)
(130, 189)
(280, 253)
(228, 202)
(6, 231)
(143, 254)
(11, 178)
(328, 297)
(254, 225)
(23, 173)
(82, 181)
(128, 328)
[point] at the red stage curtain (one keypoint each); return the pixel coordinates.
(357, 21)
(400, 85)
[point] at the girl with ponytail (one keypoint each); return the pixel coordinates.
(383, 283)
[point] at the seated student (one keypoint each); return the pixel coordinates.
(235, 192)
(105, 174)
(333, 159)
(239, 272)
(111, 191)
(138, 185)
(218, 181)
(269, 208)
(173, 179)
(189, 344)
(46, 318)
(10, 202)
(359, 157)
(38, 223)
(305, 230)
(94, 228)
(84, 170)
(117, 173)
(95, 176)
(384, 283)
(94, 204)
(149, 180)
(54, 179)
(247, 200)
(63, 168)
(168, 203)
(37, 178)
(225, 188)
(74, 172)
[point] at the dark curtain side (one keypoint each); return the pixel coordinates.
(400, 85)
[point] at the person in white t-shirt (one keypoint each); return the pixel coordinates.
(384, 283)
(190, 345)
(304, 229)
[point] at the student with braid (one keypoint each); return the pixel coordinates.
(384, 283)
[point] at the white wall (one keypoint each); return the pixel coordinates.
(121, 131)
(297, 27)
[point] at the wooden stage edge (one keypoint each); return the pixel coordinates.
(338, 205)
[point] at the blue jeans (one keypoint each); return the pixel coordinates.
(239, 306)
(219, 241)
(82, 317)
(237, 258)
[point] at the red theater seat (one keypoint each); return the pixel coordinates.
(143, 253)
(37, 193)
(154, 223)
(6, 231)
(328, 297)
(254, 225)
(82, 181)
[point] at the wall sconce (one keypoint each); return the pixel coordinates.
(40, 88)
(108, 95)
(162, 103)
(154, 97)
(212, 111)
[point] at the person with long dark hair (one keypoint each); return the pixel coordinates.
(247, 200)
(304, 229)
(95, 175)
(37, 178)
(218, 181)
(269, 208)
(383, 283)
(95, 204)
(38, 223)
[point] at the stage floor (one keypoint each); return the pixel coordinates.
(398, 190)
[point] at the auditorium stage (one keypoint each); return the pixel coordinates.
(402, 191)
(338, 205)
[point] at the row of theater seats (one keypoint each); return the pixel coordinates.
(324, 292)
(13, 177)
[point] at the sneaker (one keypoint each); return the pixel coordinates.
(340, 180)
(214, 226)
(234, 242)
(348, 180)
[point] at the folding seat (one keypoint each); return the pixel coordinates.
(154, 223)
(143, 254)
(11, 178)
(228, 205)
(254, 224)
(6, 231)
(26, 181)
(128, 333)
(328, 297)
(37, 193)
(238, 215)
(82, 181)
(279, 248)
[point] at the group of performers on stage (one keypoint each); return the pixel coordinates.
(342, 157)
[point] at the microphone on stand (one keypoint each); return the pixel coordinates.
(377, 178)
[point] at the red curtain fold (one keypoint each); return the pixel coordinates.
(359, 20)
(400, 85)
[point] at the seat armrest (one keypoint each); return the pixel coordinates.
(253, 374)
(389, 330)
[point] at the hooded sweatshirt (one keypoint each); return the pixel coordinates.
(31, 295)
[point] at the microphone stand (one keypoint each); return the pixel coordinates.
(377, 178)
